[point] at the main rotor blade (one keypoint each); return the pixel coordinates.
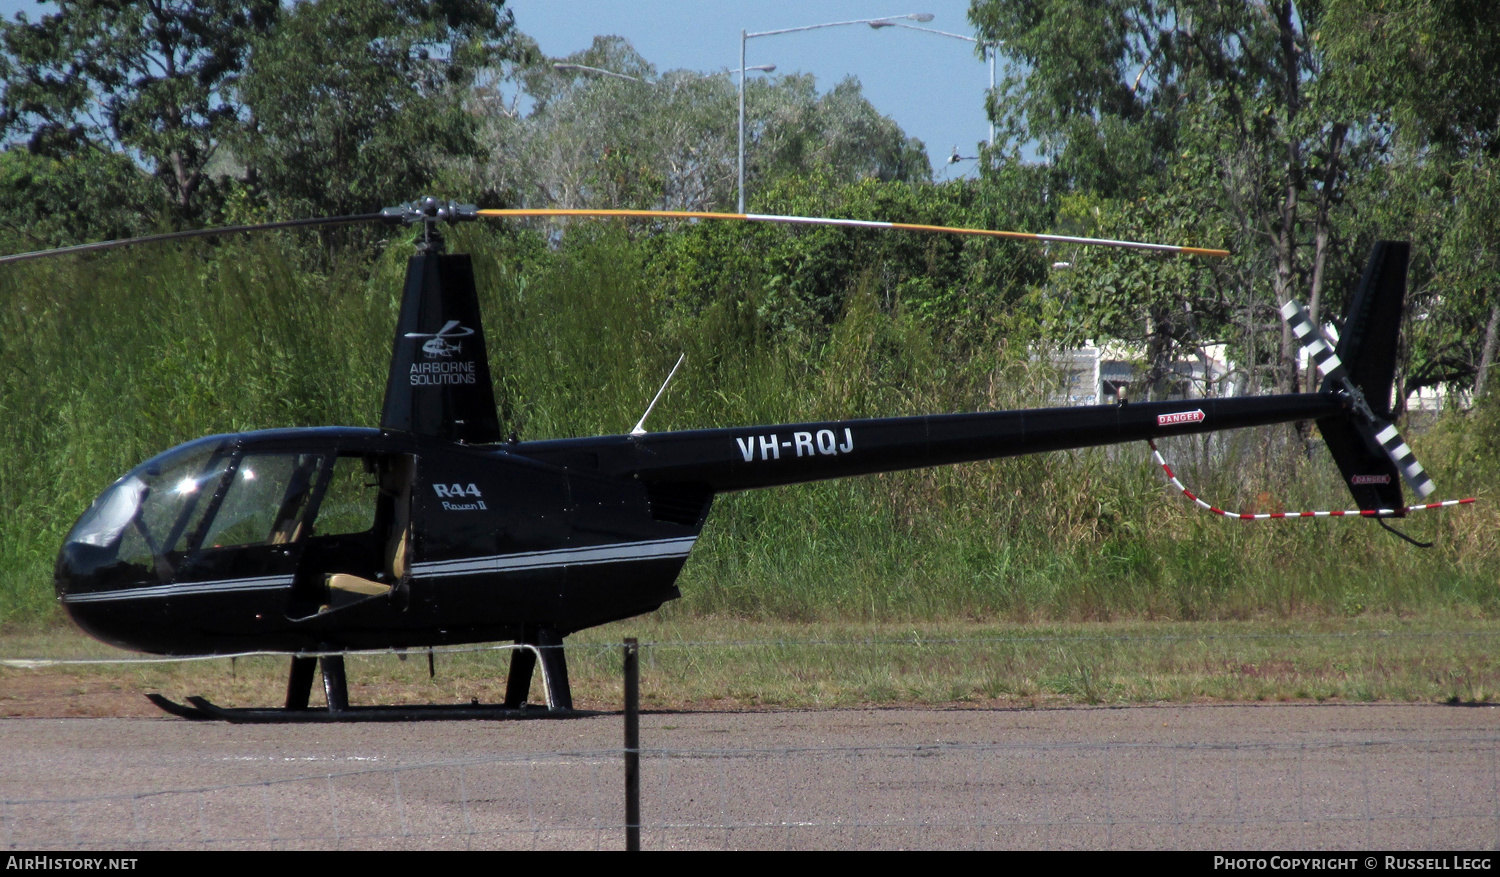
(196, 233)
(858, 223)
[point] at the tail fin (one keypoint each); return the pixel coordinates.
(1367, 469)
(1369, 452)
(439, 383)
(1372, 326)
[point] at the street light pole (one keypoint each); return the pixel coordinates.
(745, 36)
(741, 151)
(764, 68)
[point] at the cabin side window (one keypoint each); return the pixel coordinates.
(266, 501)
(350, 499)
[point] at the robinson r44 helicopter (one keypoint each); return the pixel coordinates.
(434, 530)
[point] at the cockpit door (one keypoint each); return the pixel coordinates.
(358, 541)
(247, 547)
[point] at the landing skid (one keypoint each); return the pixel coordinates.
(181, 711)
(201, 709)
(543, 642)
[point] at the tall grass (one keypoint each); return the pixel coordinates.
(112, 358)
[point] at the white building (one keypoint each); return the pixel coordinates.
(1095, 374)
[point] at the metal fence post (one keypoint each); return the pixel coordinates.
(632, 745)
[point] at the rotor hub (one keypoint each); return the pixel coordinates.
(429, 211)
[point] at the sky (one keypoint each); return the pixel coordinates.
(932, 85)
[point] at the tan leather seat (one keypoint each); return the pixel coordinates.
(397, 565)
(355, 585)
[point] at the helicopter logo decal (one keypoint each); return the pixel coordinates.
(438, 343)
(459, 491)
(440, 349)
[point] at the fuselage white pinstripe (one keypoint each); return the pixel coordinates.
(617, 552)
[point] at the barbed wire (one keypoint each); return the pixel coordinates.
(1006, 639)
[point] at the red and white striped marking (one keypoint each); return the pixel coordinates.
(856, 223)
(1335, 513)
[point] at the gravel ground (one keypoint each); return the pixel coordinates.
(1285, 776)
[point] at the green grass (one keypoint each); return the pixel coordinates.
(715, 663)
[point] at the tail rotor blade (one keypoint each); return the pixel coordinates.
(1357, 464)
(1313, 341)
(1405, 460)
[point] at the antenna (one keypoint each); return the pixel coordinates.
(640, 426)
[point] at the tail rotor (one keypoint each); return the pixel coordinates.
(1368, 449)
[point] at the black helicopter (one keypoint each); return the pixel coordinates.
(434, 529)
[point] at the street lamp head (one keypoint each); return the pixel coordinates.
(879, 23)
(955, 158)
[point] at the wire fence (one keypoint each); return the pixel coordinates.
(1430, 793)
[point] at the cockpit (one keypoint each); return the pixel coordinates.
(238, 513)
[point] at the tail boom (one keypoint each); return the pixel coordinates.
(743, 458)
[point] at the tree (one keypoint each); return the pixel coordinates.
(355, 104)
(798, 280)
(644, 139)
(148, 79)
(591, 139)
(1428, 69)
(58, 201)
(839, 134)
(1216, 111)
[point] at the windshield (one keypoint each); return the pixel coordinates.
(110, 514)
(155, 509)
